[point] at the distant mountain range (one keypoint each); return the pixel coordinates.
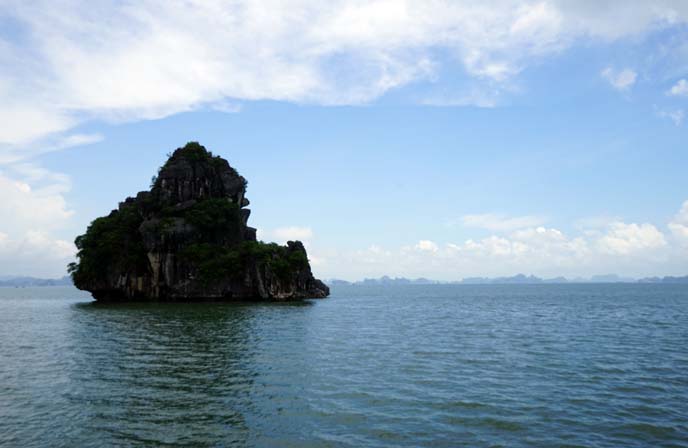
(22, 282)
(516, 279)
(385, 281)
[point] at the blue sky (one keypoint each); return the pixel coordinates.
(446, 140)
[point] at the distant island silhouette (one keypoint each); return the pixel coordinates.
(513, 280)
(188, 239)
(22, 281)
(12, 281)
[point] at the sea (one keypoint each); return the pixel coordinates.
(596, 365)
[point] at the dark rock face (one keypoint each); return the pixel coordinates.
(188, 239)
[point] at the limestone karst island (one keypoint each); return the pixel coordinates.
(188, 239)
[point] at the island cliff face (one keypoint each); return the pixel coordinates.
(188, 239)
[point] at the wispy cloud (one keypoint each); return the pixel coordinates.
(676, 115)
(150, 59)
(620, 79)
(501, 223)
(13, 153)
(679, 89)
(226, 106)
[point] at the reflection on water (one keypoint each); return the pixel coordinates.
(517, 366)
(140, 369)
(93, 374)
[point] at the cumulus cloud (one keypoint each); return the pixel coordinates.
(34, 208)
(679, 225)
(35, 243)
(28, 207)
(70, 62)
(35, 253)
(620, 80)
(66, 63)
(426, 246)
(639, 249)
(496, 222)
(627, 238)
(679, 89)
(31, 217)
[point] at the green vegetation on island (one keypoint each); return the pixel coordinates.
(187, 238)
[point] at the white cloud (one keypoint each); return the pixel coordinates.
(499, 223)
(293, 233)
(228, 107)
(23, 123)
(284, 234)
(35, 253)
(620, 80)
(34, 208)
(125, 61)
(152, 58)
(488, 98)
(679, 224)
(624, 238)
(630, 249)
(677, 116)
(490, 246)
(374, 254)
(426, 246)
(679, 89)
(26, 207)
(31, 217)
(12, 153)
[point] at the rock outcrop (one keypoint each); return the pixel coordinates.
(188, 239)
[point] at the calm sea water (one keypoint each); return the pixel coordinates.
(512, 366)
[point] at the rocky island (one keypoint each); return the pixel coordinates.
(188, 239)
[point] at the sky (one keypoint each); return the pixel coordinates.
(442, 139)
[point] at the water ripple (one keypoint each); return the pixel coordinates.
(517, 366)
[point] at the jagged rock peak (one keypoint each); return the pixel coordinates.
(188, 239)
(193, 173)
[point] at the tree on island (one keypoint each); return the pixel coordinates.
(188, 239)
